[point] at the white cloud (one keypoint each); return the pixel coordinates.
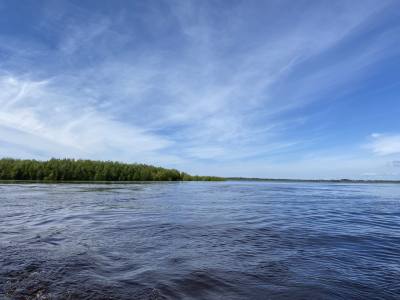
(385, 144)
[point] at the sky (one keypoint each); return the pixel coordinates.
(275, 89)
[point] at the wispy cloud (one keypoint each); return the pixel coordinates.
(385, 144)
(69, 126)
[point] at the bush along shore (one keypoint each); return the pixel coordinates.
(89, 170)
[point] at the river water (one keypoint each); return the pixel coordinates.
(194, 240)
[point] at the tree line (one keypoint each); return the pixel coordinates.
(89, 170)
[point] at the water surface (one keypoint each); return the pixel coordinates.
(213, 240)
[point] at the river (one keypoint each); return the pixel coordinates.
(200, 240)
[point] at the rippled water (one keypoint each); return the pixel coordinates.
(221, 240)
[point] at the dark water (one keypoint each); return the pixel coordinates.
(220, 240)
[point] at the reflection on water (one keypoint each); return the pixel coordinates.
(221, 240)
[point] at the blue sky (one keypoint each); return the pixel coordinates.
(294, 89)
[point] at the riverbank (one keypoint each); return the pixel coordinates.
(71, 170)
(221, 179)
(91, 171)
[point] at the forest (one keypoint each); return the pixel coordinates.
(89, 170)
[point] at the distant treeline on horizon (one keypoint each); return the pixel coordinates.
(89, 170)
(92, 170)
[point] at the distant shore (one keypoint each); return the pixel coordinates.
(311, 180)
(220, 179)
(71, 170)
(91, 171)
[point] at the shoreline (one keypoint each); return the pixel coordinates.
(227, 179)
